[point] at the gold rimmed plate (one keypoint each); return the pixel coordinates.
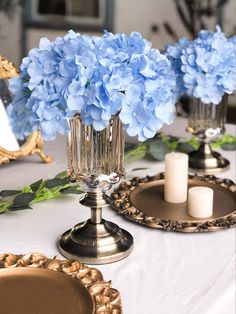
(34, 284)
(142, 200)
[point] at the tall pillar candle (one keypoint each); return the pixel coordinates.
(176, 177)
(200, 202)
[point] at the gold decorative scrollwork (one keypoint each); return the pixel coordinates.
(106, 299)
(7, 69)
(123, 205)
(34, 143)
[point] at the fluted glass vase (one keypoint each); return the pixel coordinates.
(207, 121)
(95, 160)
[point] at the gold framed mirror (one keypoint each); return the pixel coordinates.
(10, 149)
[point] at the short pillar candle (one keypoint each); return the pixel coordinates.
(176, 178)
(200, 202)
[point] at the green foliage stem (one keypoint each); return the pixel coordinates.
(162, 144)
(38, 191)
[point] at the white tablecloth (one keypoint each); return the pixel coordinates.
(166, 273)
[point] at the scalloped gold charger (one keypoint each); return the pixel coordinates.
(34, 290)
(142, 200)
(34, 284)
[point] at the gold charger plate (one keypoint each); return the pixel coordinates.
(34, 284)
(142, 200)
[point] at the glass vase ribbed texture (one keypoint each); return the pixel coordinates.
(95, 158)
(207, 120)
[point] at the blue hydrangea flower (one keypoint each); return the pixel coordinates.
(174, 52)
(97, 77)
(205, 67)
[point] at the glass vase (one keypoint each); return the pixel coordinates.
(206, 121)
(95, 160)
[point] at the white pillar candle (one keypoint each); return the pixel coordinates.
(176, 177)
(200, 202)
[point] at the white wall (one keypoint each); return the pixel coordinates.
(130, 15)
(141, 15)
(10, 36)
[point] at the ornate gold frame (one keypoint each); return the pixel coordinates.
(34, 143)
(106, 299)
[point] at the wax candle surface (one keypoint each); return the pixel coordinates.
(176, 177)
(200, 202)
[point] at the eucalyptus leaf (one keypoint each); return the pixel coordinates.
(3, 208)
(158, 149)
(229, 146)
(185, 148)
(22, 200)
(139, 154)
(19, 208)
(129, 146)
(62, 174)
(56, 182)
(35, 186)
(71, 190)
(7, 193)
(38, 191)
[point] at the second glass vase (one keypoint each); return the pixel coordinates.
(206, 121)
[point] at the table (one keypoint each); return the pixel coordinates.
(166, 273)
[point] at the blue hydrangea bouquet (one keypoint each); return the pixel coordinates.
(96, 77)
(205, 67)
(205, 70)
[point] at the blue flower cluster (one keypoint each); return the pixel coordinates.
(205, 67)
(97, 77)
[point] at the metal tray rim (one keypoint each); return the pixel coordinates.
(123, 205)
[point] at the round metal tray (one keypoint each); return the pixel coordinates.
(142, 200)
(34, 284)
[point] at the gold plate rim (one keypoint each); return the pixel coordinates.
(123, 205)
(106, 299)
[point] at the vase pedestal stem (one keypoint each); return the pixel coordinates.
(96, 241)
(207, 160)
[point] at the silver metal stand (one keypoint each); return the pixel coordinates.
(206, 160)
(96, 241)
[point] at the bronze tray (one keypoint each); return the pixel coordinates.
(141, 200)
(35, 284)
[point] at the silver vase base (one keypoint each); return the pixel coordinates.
(92, 243)
(211, 162)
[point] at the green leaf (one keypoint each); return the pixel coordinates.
(193, 142)
(229, 146)
(158, 149)
(56, 182)
(61, 175)
(71, 190)
(26, 189)
(22, 200)
(129, 146)
(170, 141)
(7, 193)
(19, 208)
(3, 208)
(35, 186)
(137, 153)
(46, 194)
(185, 148)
